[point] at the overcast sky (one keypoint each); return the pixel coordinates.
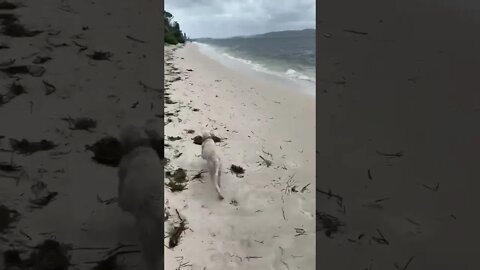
(226, 18)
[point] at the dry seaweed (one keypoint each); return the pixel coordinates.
(177, 181)
(175, 186)
(49, 88)
(81, 123)
(15, 29)
(9, 167)
(174, 138)
(110, 263)
(42, 196)
(7, 216)
(12, 260)
(198, 140)
(8, 62)
(41, 59)
(32, 70)
(107, 151)
(237, 169)
(15, 90)
(5, 5)
(176, 232)
(100, 56)
(50, 255)
(328, 223)
(267, 162)
(27, 148)
(178, 176)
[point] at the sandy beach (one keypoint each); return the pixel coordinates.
(398, 134)
(99, 61)
(267, 219)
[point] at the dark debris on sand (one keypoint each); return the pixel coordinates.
(12, 260)
(15, 89)
(27, 148)
(42, 196)
(109, 263)
(198, 140)
(176, 232)
(7, 216)
(237, 170)
(81, 123)
(15, 29)
(328, 223)
(5, 5)
(41, 59)
(50, 255)
(177, 181)
(107, 151)
(9, 167)
(49, 88)
(100, 56)
(174, 138)
(32, 70)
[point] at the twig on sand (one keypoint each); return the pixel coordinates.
(268, 163)
(82, 47)
(135, 39)
(435, 188)
(281, 258)
(115, 250)
(381, 240)
(149, 87)
(305, 188)
(408, 262)
(330, 194)
(355, 32)
(300, 231)
(253, 257)
(397, 154)
(283, 213)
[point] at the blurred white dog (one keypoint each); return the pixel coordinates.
(140, 192)
(211, 155)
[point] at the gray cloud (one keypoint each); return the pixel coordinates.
(224, 18)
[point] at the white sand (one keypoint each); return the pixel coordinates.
(83, 90)
(255, 117)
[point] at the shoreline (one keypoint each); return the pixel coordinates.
(259, 71)
(254, 227)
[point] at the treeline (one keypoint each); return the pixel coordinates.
(173, 33)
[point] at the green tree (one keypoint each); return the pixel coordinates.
(173, 33)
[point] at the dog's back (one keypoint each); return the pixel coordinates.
(140, 192)
(214, 162)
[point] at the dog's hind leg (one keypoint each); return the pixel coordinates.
(218, 172)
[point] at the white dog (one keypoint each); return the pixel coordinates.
(211, 155)
(140, 192)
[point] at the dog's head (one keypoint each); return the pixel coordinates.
(131, 136)
(206, 135)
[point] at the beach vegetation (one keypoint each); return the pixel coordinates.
(172, 31)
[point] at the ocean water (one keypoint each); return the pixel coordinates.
(289, 54)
